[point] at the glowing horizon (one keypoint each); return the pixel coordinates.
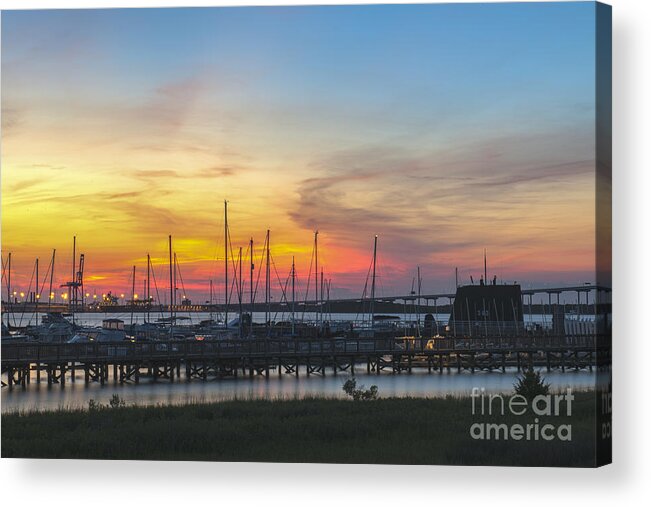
(444, 129)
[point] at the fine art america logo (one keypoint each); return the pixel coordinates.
(514, 407)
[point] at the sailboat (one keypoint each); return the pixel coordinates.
(368, 328)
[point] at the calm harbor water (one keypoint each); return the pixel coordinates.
(418, 384)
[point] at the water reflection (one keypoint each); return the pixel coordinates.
(417, 384)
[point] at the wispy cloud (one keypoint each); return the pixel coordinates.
(12, 118)
(218, 172)
(439, 206)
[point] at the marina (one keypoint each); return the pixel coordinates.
(485, 327)
(257, 302)
(290, 343)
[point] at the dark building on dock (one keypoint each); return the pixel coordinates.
(487, 310)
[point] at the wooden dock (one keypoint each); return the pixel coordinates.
(203, 360)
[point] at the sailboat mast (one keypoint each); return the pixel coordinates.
(171, 289)
(133, 294)
(225, 263)
(72, 290)
(9, 282)
(418, 310)
(293, 292)
(176, 265)
(49, 295)
(210, 299)
(9, 278)
(321, 299)
(9, 300)
(329, 308)
(316, 274)
(268, 283)
(251, 268)
(80, 278)
(373, 281)
(36, 290)
(485, 270)
(148, 292)
(239, 290)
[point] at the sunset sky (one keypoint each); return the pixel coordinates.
(443, 129)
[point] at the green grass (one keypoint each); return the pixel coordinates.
(390, 430)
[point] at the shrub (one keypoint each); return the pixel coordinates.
(350, 388)
(531, 384)
(116, 401)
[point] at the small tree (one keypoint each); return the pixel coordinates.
(531, 384)
(350, 388)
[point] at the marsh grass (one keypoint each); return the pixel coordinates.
(326, 430)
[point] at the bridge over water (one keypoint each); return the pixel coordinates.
(426, 302)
